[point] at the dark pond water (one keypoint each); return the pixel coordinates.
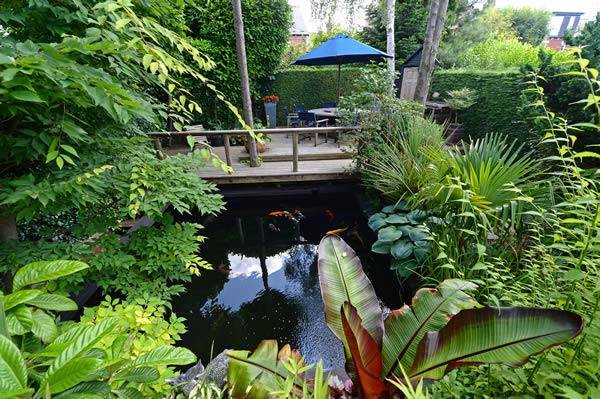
(265, 282)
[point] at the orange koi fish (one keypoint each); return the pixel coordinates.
(336, 232)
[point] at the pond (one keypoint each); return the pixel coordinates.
(265, 283)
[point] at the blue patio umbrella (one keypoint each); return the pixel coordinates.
(339, 50)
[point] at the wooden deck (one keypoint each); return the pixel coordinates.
(325, 162)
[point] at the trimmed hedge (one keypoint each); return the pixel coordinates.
(310, 86)
(498, 100)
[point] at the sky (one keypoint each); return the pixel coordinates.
(588, 7)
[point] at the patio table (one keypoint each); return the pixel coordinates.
(325, 112)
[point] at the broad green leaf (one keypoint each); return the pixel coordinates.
(250, 374)
(389, 234)
(19, 297)
(6, 59)
(381, 247)
(164, 355)
(342, 279)
(74, 131)
(396, 219)
(366, 354)
(55, 302)
(19, 320)
(492, 335)
(72, 373)
(13, 373)
(26, 95)
(430, 311)
(38, 272)
(139, 374)
(402, 249)
(95, 388)
(377, 221)
(44, 326)
(82, 342)
(130, 393)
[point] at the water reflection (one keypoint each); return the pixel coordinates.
(265, 284)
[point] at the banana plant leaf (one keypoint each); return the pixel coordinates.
(430, 311)
(342, 279)
(366, 354)
(492, 335)
(250, 375)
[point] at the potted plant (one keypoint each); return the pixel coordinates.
(261, 143)
(271, 110)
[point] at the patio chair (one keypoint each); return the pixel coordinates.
(309, 119)
(299, 108)
(291, 118)
(328, 105)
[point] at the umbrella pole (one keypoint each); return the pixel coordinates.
(339, 75)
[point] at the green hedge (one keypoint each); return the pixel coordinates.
(310, 86)
(498, 100)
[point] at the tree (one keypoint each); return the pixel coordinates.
(267, 31)
(77, 93)
(532, 25)
(390, 48)
(435, 25)
(409, 27)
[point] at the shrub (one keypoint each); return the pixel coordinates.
(311, 86)
(266, 25)
(500, 54)
(498, 101)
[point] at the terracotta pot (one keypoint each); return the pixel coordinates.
(260, 147)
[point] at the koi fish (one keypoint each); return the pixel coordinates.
(336, 232)
(284, 214)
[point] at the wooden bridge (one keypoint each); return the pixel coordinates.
(293, 155)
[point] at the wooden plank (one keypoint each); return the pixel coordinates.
(319, 156)
(279, 130)
(295, 151)
(227, 149)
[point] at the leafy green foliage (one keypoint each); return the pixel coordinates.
(410, 24)
(269, 371)
(531, 24)
(589, 40)
(469, 337)
(297, 85)
(115, 350)
(266, 25)
(497, 106)
(398, 149)
(402, 234)
(500, 54)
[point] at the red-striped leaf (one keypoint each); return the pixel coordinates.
(366, 354)
(492, 335)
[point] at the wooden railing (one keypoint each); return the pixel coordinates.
(295, 132)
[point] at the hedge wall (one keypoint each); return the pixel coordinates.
(310, 86)
(498, 100)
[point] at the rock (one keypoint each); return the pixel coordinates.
(190, 375)
(215, 372)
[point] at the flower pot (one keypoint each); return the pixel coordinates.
(271, 112)
(260, 147)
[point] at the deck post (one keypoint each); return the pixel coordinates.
(158, 148)
(295, 151)
(227, 149)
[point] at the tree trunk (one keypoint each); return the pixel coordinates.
(391, 45)
(435, 26)
(240, 45)
(8, 226)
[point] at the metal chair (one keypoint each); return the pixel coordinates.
(299, 108)
(309, 119)
(291, 118)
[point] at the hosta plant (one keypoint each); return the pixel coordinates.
(444, 328)
(46, 359)
(401, 232)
